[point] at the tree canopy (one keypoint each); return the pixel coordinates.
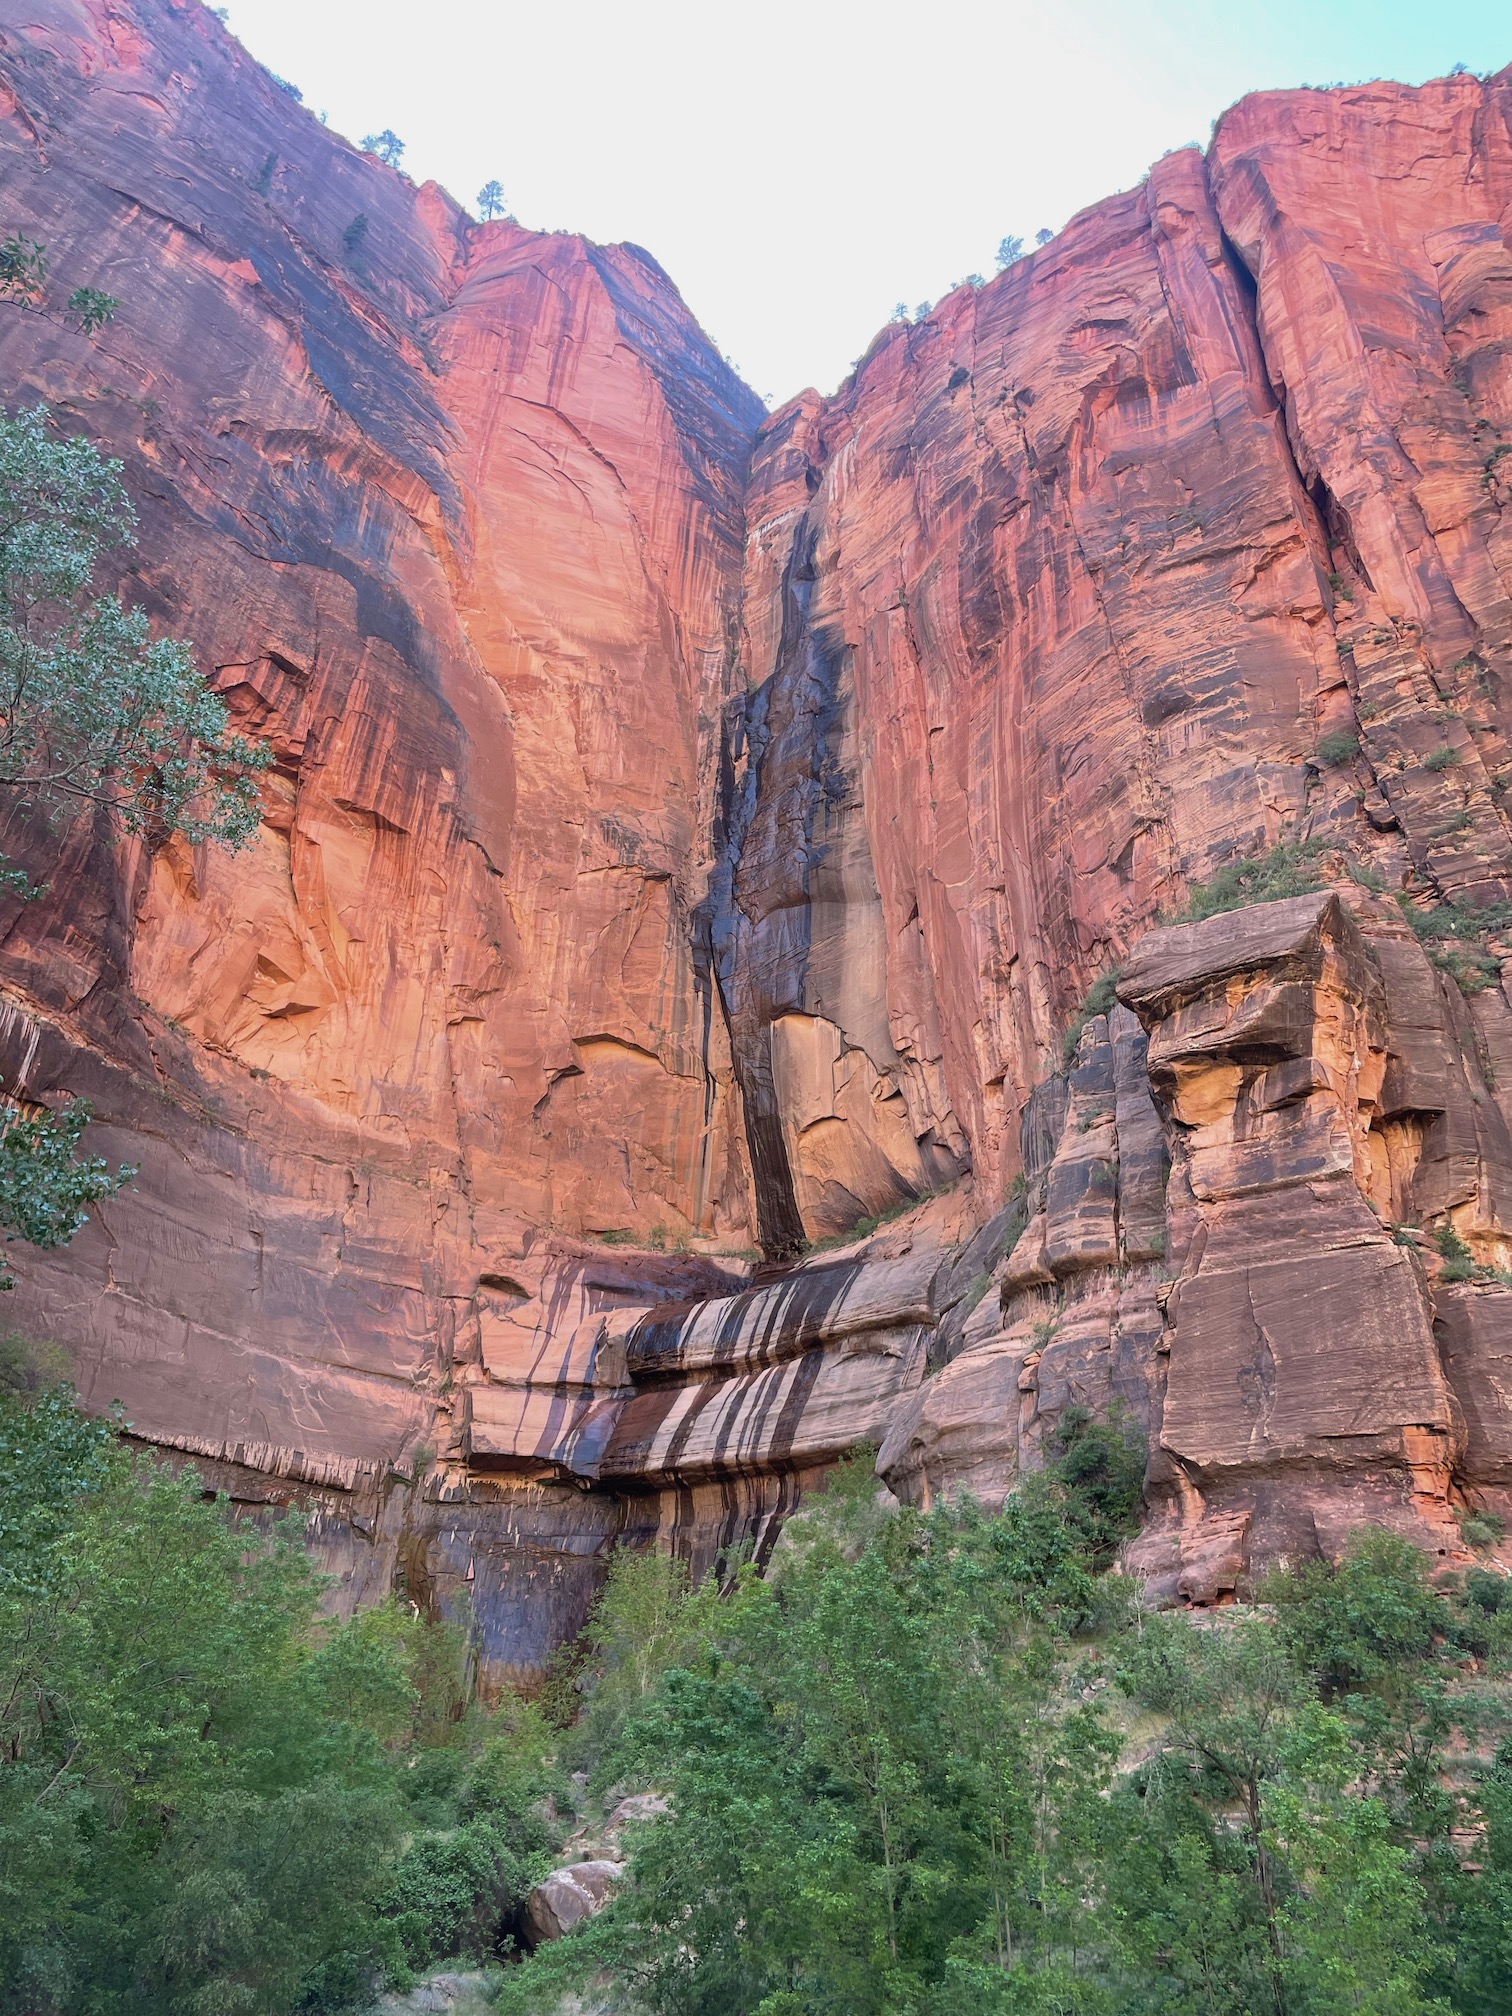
(210, 1799)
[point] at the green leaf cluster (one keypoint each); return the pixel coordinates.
(942, 1762)
(93, 709)
(45, 1187)
(213, 1799)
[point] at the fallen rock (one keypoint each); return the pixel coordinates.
(567, 1896)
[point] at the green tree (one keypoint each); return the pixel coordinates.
(93, 710)
(883, 1796)
(95, 714)
(180, 1785)
(647, 1618)
(1229, 1696)
(491, 202)
(387, 145)
(1478, 1904)
(1355, 1930)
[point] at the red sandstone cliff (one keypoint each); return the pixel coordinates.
(693, 827)
(453, 515)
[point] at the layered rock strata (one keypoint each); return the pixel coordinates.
(694, 832)
(1227, 1246)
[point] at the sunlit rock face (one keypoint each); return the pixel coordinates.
(699, 828)
(453, 516)
(1070, 581)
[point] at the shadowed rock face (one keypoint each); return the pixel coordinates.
(700, 828)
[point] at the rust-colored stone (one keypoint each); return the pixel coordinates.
(701, 829)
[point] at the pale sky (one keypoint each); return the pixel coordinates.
(801, 166)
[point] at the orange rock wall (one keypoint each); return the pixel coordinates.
(1071, 579)
(452, 514)
(698, 827)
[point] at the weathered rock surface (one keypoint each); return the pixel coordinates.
(701, 829)
(567, 1896)
(453, 513)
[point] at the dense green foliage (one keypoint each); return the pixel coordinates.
(211, 1802)
(93, 710)
(930, 1764)
(941, 1763)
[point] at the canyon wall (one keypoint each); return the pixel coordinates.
(692, 833)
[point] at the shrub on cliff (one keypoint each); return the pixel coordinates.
(1288, 869)
(97, 717)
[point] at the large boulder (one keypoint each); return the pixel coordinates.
(567, 1896)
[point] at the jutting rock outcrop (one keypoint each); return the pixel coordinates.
(693, 834)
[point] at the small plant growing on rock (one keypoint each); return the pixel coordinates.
(23, 271)
(1100, 999)
(1456, 939)
(1481, 1530)
(1339, 747)
(1459, 1262)
(1442, 758)
(90, 309)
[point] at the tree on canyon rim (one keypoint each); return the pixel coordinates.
(491, 202)
(97, 716)
(387, 145)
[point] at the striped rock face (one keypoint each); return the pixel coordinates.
(693, 830)
(792, 1374)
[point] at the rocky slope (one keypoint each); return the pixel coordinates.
(700, 829)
